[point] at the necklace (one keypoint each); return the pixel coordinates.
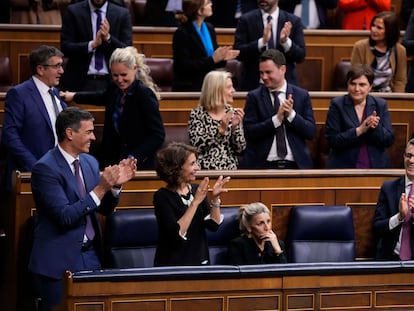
(187, 198)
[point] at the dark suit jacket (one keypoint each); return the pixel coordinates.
(141, 130)
(76, 33)
(250, 29)
(60, 219)
(321, 6)
(341, 122)
(260, 131)
(387, 206)
(27, 130)
(244, 251)
(191, 62)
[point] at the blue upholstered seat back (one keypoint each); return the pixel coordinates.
(131, 238)
(321, 234)
(218, 241)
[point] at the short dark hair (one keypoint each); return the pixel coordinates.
(360, 70)
(170, 160)
(392, 27)
(274, 55)
(41, 55)
(71, 117)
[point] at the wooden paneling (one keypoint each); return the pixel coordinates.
(324, 48)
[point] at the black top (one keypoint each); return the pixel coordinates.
(172, 249)
(244, 251)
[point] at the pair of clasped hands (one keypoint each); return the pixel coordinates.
(284, 32)
(223, 53)
(234, 116)
(406, 203)
(371, 122)
(114, 176)
(285, 108)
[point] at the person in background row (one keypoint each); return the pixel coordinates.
(383, 52)
(215, 127)
(405, 12)
(393, 220)
(30, 112)
(182, 208)
(358, 126)
(313, 13)
(258, 244)
(44, 12)
(357, 14)
(133, 124)
(91, 31)
(278, 119)
(408, 42)
(68, 191)
(268, 27)
(195, 49)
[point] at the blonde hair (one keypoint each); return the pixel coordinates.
(130, 57)
(247, 213)
(213, 88)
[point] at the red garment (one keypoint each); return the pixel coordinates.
(357, 14)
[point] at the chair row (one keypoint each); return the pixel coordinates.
(315, 234)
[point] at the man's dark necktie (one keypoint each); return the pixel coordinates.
(405, 247)
(89, 231)
(99, 58)
(55, 105)
(280, 131)
(305, 13)
(271, 43)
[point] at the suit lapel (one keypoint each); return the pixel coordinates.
(349, 110)
(66, 169)
(38, 101)
(267, 101)
(86, 172)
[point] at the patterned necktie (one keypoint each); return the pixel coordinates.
(280, 131)
(89, 231)
(55, 105)
(271, 43)
(305, 13)
(405, 247)
(99, 58)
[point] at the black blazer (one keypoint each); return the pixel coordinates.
(244, 251)
(76, 33)
(250, 29)
(191, 62)
(387, 206)
(141, 130)
(260, 131)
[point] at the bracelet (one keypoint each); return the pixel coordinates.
(216, 204)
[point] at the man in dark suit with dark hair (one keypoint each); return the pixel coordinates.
(68, 191)
(393, 221)
(278, 119)
(88, 38)
(264, 28)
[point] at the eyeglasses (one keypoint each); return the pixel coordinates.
(408, 155)
(55, 66)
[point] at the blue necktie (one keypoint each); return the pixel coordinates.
(305, 13)
(118, 112)
(271, 43)
(99, 58)
(55, 105)
(89, 231)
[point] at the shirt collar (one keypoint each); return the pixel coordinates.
(67, 156)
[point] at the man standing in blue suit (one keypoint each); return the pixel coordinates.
(268, 27)
(278, 119)
(30, 112)
(68, 191)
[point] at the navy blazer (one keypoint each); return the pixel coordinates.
(60, 220)
(260, 131)
(191, 62)
(27, 130)
(250, 29)
(387, 206)
(141, 130)
(341, 124)
(76, 33)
